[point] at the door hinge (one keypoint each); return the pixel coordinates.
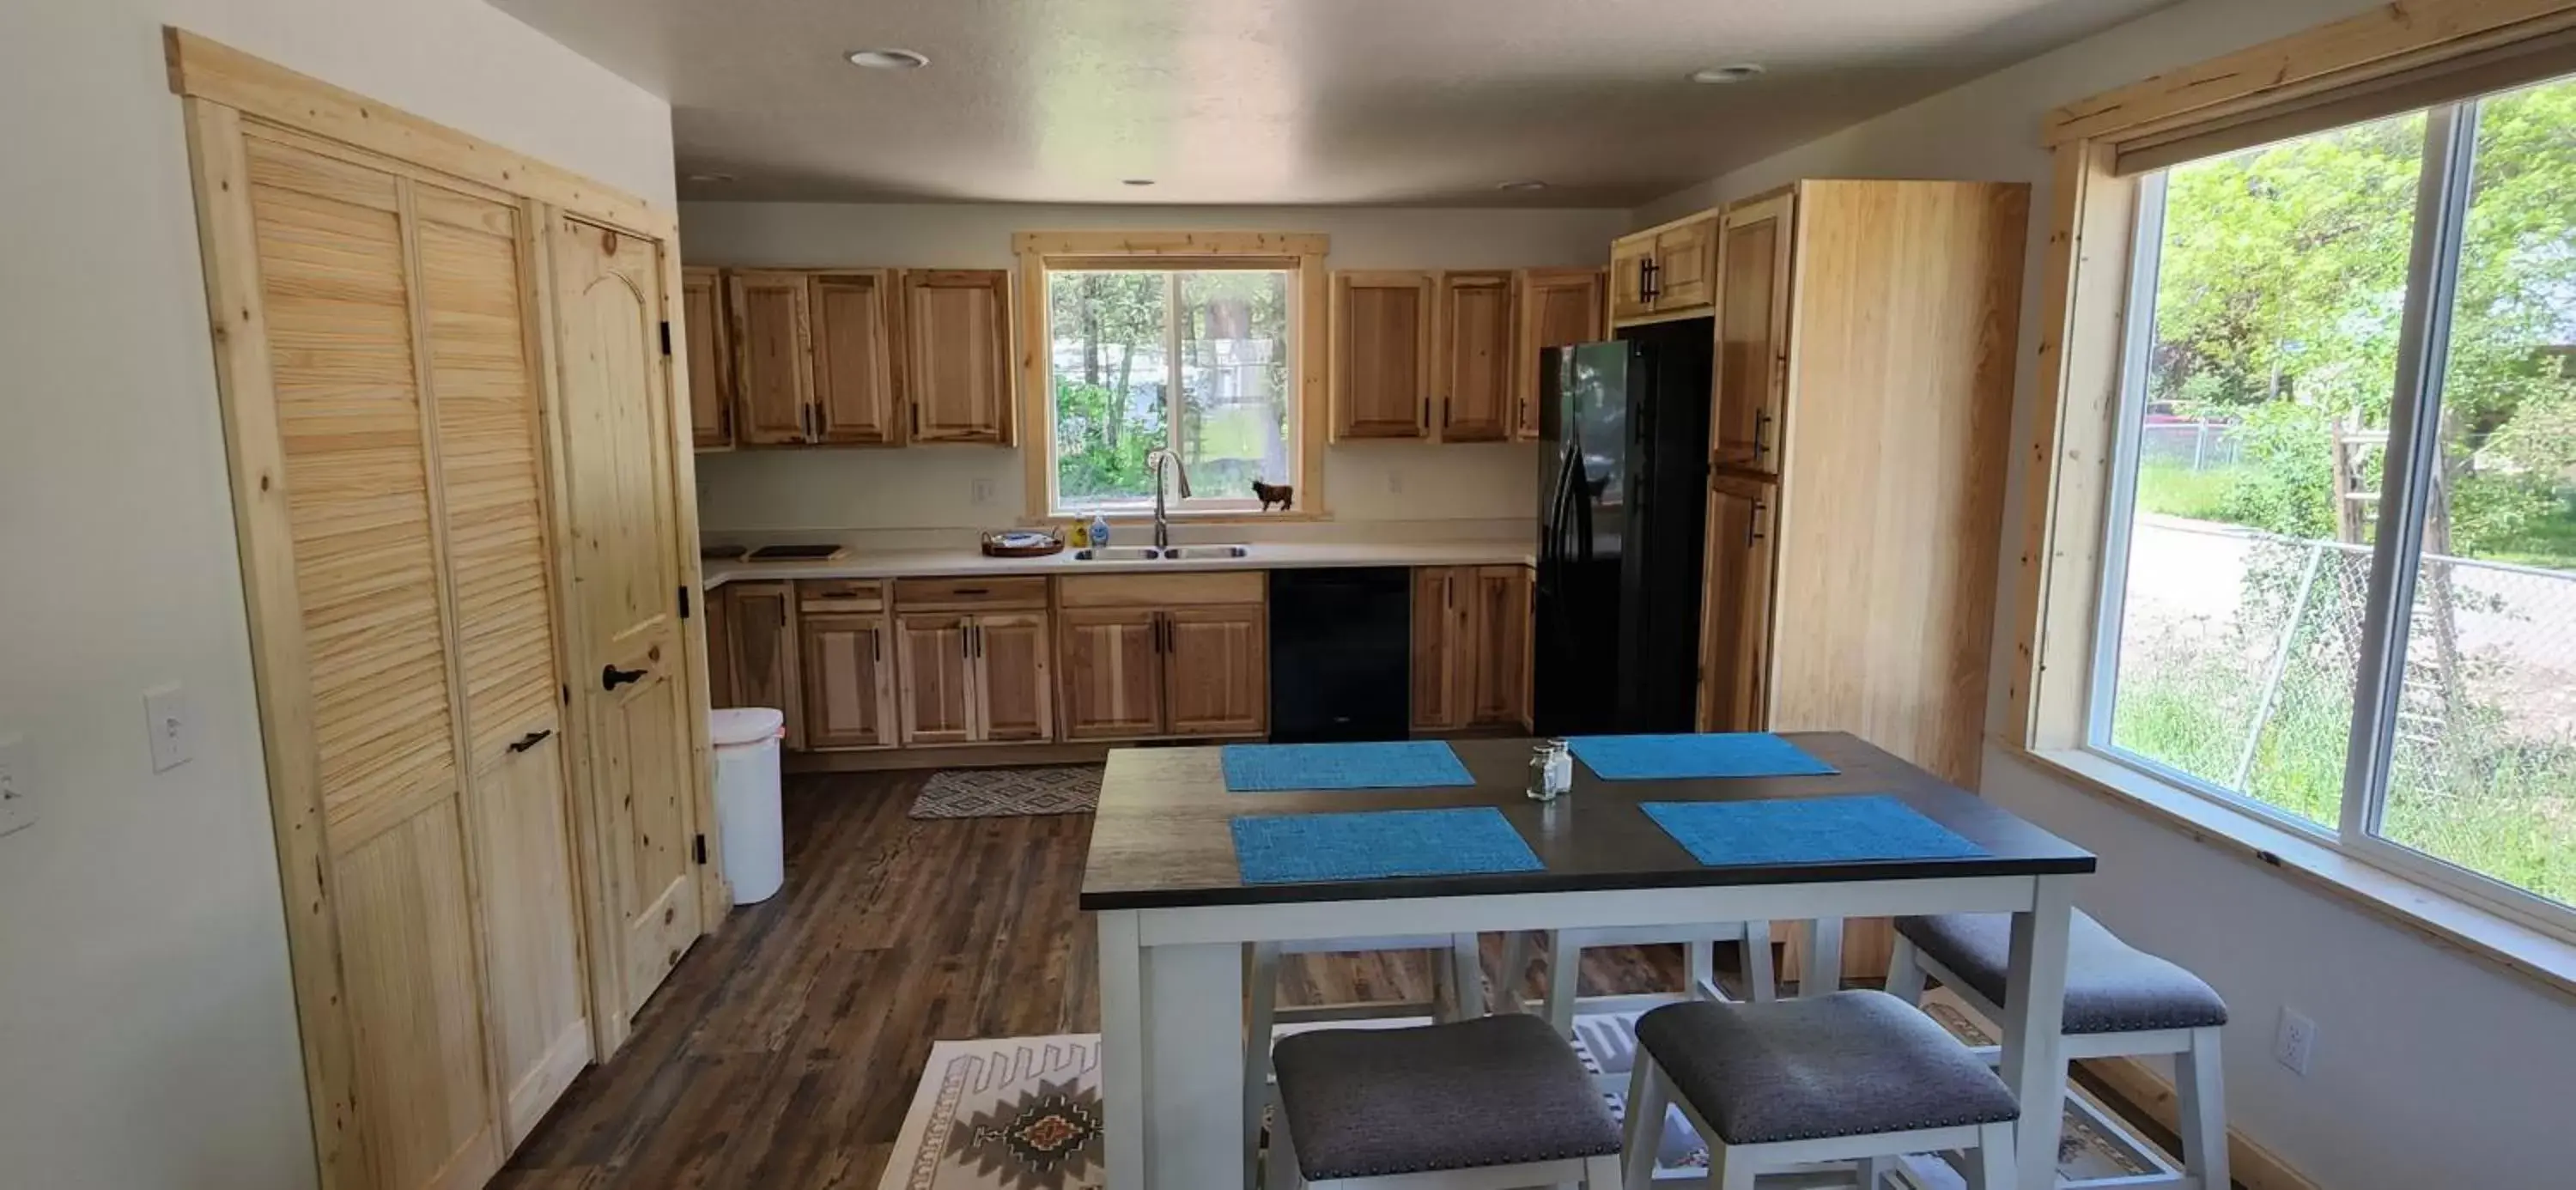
(666, 336)
(699, 849)
(684, 601)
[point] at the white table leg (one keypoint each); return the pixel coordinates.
(2034, 1050)
(1193, 1067)
(1822, 972)
(1122, 1051)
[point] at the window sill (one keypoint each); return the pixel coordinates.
(2439, 917)
(1230, 516)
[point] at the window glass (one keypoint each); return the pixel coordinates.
(1196, 361)
(1107, 337)
(1235, 403)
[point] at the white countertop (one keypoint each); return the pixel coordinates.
(1265, 555)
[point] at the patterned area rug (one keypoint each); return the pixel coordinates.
(1001, 793)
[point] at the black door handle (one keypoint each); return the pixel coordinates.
(611, 677)
(532, 739)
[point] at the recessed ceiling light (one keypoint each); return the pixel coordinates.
(1735, 73)
(1138, 182)
(1528, 184)
(889, 59)
(713, 178)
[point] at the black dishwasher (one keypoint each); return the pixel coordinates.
(1340, 654)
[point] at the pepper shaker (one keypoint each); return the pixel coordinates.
(1542, 774)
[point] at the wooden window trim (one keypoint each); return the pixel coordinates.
(1302, 253)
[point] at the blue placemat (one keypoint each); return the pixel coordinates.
(1264, 768)
(1376, 844)
(1679, 757)
(1816, 830)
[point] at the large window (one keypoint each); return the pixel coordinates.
(2339, 574)
(1196, 361)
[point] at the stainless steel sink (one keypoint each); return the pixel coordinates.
(1118, 553)
(1192, 553)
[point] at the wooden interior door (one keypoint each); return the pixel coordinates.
(1752, 336)
(773, 384)
(957, 359)
(1382, 354)
(709, 340)
(1112, 662)
(853, 357)
(1217, 670)
(1686, 266)
(1558, 307)
(1476, 366)
(382, 741)
(1631, 263)
(1499, 622)
(1735, 623)
(764, 650)
(620, 513)
(1014, 677)
(935, 675)
(849, 682)
(1439, 634)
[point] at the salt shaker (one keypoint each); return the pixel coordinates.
(1542, 774)
(1560, 767)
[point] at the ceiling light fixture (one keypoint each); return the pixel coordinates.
(1726, 74)
(1138, 182)
(1529, 184)
(889, 59)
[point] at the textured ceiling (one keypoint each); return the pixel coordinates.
(1279, 101)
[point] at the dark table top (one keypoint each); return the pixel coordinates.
(1163, 836)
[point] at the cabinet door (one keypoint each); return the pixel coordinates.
(935, 676)
(1735, 626)
(1685, 266)
(1631, 265)
(709, 343)
(1381, 385)
(764, 651)
(719, 627)
(1439, 632)
(1014, 677)
(1752, 335)
(1475, 327)
(853, 357)
(849, 682)
(1557, 307)
(773, 384)
(1499, 652)
(1217, 670)
(957, 358)
(1113, 673)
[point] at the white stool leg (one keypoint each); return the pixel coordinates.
(1822, 973)
(1644, 1126)
(1905, 973)
(1262, 963)
(1510, 985)
(1994, 1168)
(1564, 970)
(1467, 976)
(1728, 1169)
(2200, 1104)
(1601, 1173)
(1283, 1174)
(1699, 966)
(1874, 1171)
(1759, 974)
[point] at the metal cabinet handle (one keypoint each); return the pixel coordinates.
(1753, 525)
(973, 591)
(531, 740)
(611, 677)
(1761, 442)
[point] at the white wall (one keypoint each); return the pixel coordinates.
(2432, 1070)
(935, 486)
(147, 1030)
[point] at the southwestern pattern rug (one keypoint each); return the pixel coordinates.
(1001, 793)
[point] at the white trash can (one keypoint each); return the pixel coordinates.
(747, 817)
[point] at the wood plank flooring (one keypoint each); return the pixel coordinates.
(785, 1048)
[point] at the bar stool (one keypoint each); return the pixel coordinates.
(2120, 1001)
(1838, 1077)
(1699, 944)
(1495, 1102)
(1460, 973)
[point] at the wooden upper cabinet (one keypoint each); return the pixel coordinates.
(1382, 354)
(1113, 672)
(1476, 367)
(849, 682)
(957, 354)
(1558, 307)
(1499, 635)
(1632, 262)
(1685, 266)
(707, 335)
(764, 650)
(935, 703)
(1752, 334)
(1439, 647)
(1014, 677)
(1735, 613)
(1217, 670)
(772, 326)
(853, 368)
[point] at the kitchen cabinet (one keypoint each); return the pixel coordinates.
(771, 332)
(1439, 648)
(957, 355)
(1735, 610)
(1632, 269)
(1665, 272)
(764, 651)
(1149, 656)
(849, 682)
(1471, 647)
(975, 661)
(1473, 352)
(708, 338)
(853, 381)
(1014, 677)
(1382, 354)
(1557, 307)
(1216, 670)
(1752, 335)
(936, 677)
(1113, 672)
(718, 609)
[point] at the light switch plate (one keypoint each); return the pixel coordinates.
(17, 787)
(174, 731)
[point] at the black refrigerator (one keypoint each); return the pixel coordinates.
(1623, 505)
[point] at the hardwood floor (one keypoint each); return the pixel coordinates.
(785, 1048)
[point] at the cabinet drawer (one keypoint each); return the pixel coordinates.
(925, 594)
(1162, 590)
(841, 595)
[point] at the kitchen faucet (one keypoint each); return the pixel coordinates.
(1155, 460)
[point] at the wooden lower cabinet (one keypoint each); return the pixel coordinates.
(937, 673)
(1471, 647)
(1155, 672)
(1014, 677)
(1216, 670)
(975, 678)
(849, 682)
(760, 622)
(1439, 644)
(1735, 610)
(1113, 672)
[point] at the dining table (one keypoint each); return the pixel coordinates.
(1174, 910)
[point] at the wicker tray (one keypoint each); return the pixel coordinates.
(1021, 543)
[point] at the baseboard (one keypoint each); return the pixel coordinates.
(2249, 1164)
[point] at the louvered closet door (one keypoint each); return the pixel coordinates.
(336, 282)
(484, 391)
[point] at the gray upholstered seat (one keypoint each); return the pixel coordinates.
(1497, 1090)
(2111, 986)
(1846, 1064)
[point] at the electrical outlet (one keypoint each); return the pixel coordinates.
(1395, 483)
(17, 787)
(983, 491)
(174, 730)
(2296, 1042)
